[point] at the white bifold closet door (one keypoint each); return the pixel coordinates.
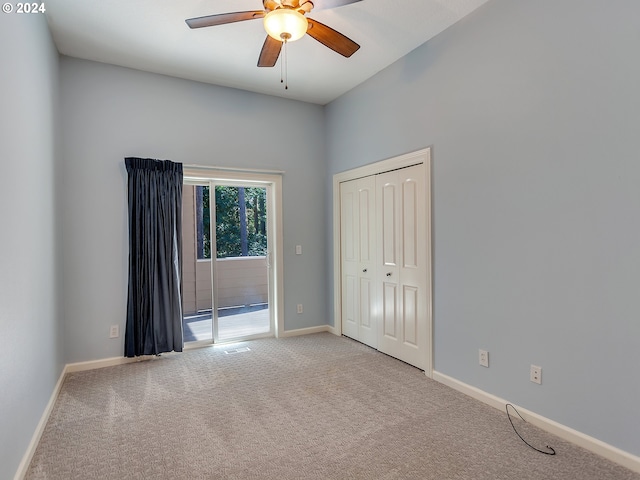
(402, 265)
(358, 249)
(384, 263)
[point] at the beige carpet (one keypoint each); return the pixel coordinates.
(312, 407)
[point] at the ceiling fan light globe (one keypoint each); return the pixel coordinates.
(285, 23)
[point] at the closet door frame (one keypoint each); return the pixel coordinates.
(415, 158)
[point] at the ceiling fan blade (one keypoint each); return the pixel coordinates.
(326, 4)
(222, 18)
(332, 39)
(270, 52)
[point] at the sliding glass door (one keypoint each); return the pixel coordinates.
(226, 261)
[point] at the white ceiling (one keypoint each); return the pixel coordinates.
(151, 35)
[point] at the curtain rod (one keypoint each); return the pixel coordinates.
(235, 169)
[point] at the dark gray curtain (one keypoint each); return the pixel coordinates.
(154, 304)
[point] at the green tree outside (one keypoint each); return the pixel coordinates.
(231, 232)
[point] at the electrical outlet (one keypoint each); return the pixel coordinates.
(114, 332)
(536, 374)
(299, 308)
(483, 358)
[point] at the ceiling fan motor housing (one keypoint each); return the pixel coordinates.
(302, 6)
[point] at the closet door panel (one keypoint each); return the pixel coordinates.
(366, 298)
(358, 267)
(409, 234)
(368, 323)
(350, 315)
(402, 264)
(365, 219)
(349, 260)
(410, 318)
(390, 311)
(388, 214)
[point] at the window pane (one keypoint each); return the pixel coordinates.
(203, 234)
(241, 221)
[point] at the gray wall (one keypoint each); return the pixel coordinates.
(533, 112)
(31, 354)
(109, 113)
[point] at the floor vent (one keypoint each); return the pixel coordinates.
(237, 350)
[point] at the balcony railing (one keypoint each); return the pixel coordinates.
(241, 282)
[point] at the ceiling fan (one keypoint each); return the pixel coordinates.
(285, 21)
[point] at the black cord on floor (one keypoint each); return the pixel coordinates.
(552, 452)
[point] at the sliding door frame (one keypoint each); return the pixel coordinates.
(194, 175)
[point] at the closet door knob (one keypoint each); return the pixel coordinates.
(388, 274)
(364, 270)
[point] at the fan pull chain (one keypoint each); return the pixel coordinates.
(286, 76)
(282, 64)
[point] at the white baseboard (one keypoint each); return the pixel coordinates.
(334, 330)
(304, 331)
(628, 460)
(105, 362)
(35, 439)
